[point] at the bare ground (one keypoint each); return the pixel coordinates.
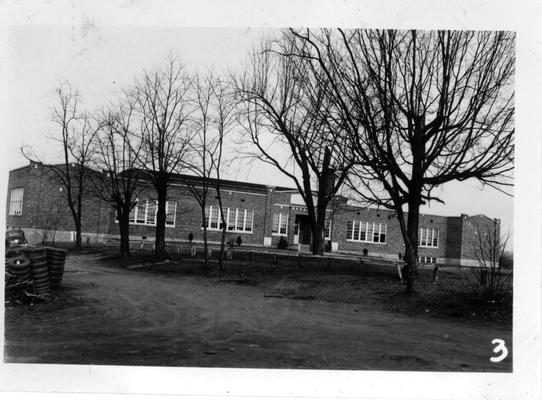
(104, 314)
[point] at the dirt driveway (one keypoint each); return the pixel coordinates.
(114, 316)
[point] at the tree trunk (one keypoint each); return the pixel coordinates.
(222, 247)
(124, 230)
(78, 241)
(205, 239)
(317, 240)
(160, 238)
(411, 246)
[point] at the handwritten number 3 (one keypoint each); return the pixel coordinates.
(501, 347)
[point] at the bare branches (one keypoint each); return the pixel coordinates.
(417, 109)
(76, 134)
(289, 121)
(163, 105)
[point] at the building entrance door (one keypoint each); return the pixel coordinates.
(303, 230)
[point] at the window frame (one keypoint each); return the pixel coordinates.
(16, 204)
(427, 241)
(136, 220)
(367, 230)
(233, 214)
(280, 223)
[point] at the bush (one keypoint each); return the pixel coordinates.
(507, 261)
(283, 243)
(488, 280)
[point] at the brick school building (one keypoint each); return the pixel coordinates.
(259, 214)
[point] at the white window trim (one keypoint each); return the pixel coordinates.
(428, 259)
(136, 211)
(330, 227)
(168, 204)
(281, 214)
(17, 211)
(227, 219)
(433, 230)
(369, 227)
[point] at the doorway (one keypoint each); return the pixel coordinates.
(302, 230)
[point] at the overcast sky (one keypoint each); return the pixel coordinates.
(98, 61)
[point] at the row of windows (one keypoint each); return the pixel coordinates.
(242, 220)
(428, 237)
(144, 213)
(368, 232)
(430, 260)
(374, 232)
(237, 219)
(16, 201)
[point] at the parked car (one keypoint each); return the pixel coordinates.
(15, 237)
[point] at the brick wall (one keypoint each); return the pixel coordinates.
(188, 216)
(394, 239)
(45, 207)
(43, 201)
(454, 239)
(394, 243)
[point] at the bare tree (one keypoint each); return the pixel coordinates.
(117, 154)
(213, 121)
(163, 105)
(420, 109)
(76, 135)
(286, 110)
(489, 248)
(203, 148)
(225, 116)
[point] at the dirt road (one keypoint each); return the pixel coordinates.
(114, 316)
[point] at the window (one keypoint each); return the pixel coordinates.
(237, 219)
(368, 232)
(16, 201)
(249, 217)
(349, 230)
(215, 216)
(428, 237)
(430, 260)
(141, 210)
(152, 209)
(144, 212)
(279, 224)
(232, 220)
(171, 210)
(327, 229)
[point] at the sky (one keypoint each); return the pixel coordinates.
(99, 61)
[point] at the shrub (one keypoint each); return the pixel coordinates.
(283, 243)
(489, 280)
(507, 261)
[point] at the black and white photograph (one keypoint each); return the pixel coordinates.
(307, 205)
